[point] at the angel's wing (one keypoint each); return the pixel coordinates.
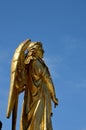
(17, 77)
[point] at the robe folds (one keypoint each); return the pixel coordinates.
(37, 105)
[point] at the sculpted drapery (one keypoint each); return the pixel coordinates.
(32, 76)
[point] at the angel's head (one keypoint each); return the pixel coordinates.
(36, 49)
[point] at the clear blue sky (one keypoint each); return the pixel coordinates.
(61, 26)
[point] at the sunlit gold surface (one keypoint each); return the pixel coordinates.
(31, 75)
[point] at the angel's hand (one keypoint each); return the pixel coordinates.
(55, 100)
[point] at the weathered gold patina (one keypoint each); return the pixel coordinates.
(30, 74)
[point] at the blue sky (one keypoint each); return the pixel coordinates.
(61, 26)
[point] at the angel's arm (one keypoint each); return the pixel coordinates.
(44, 73)
(49, 83)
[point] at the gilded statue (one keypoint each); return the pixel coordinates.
(29, 74)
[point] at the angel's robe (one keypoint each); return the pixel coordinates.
(38, 97)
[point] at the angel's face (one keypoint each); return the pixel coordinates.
(35, 49)
(40, 53)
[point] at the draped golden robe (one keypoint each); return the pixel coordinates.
(37, 107)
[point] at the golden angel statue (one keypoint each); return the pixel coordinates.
(29, 74)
